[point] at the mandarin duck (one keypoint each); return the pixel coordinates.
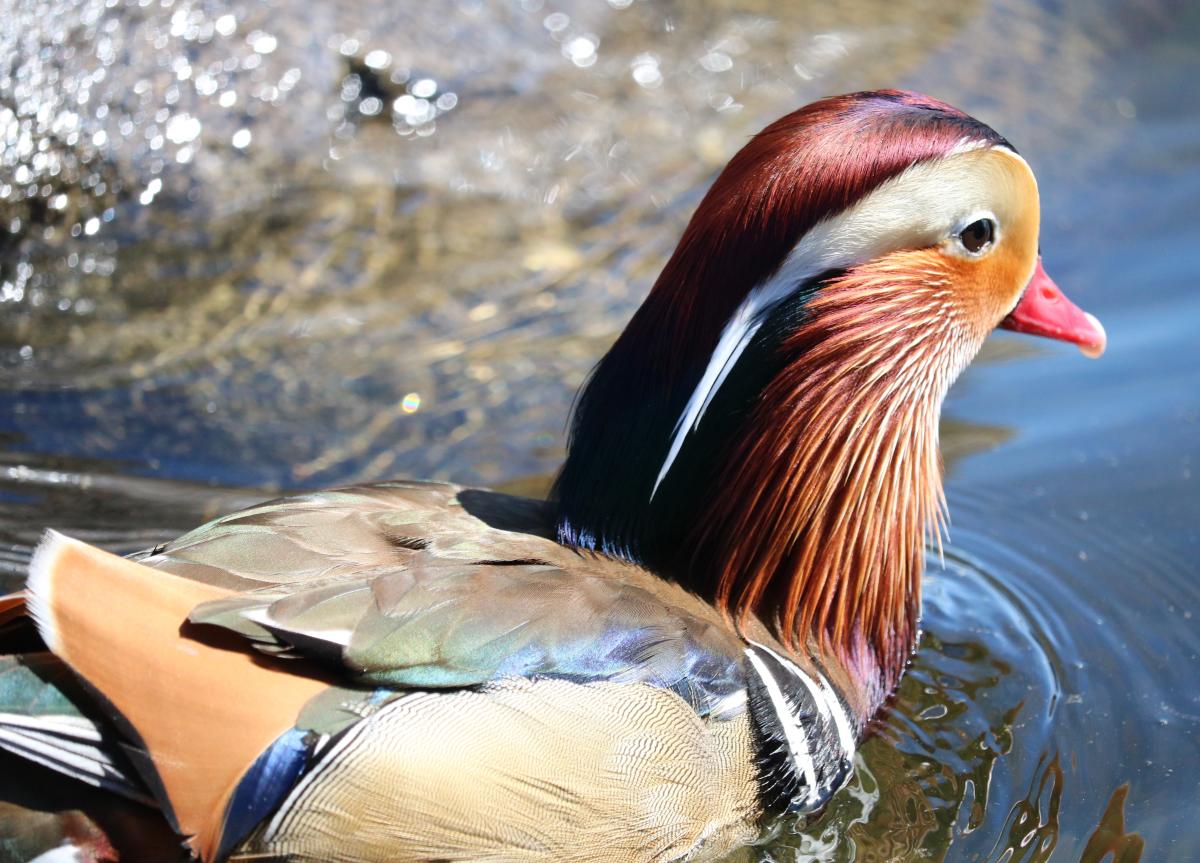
(688, 638)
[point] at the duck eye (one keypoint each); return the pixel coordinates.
(977, 235)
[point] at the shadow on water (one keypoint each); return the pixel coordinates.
(260, 248)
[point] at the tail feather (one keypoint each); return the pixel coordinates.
(201, 712)
(43, 718)
(45, 741)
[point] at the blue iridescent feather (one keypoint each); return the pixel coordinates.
(265, 785)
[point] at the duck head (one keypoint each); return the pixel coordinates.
(765, 429)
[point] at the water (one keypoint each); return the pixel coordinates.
(262, 247)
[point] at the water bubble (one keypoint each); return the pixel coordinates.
(183, 128)
(92, 226)
(447, 101)
(241, 139)
(351, 88)
(227, 99)
(415, 111)
(262, 43)
(377, 59)
(225, 25)
(556, 22)
(411, 403)
(716, 61)
(206, 84)
(645, 71)
(370, 106)
(290, 78)
(581, 50)
(424, 88)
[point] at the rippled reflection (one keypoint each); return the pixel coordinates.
(246, 247)
(1110, 839)
(936, 775)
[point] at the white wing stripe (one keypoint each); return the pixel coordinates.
(825, 698)
(845, 735)
(797, 740)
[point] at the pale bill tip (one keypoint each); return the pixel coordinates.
(1094, 351)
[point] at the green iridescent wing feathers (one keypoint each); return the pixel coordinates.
(427, 585)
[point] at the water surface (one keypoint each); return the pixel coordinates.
(247, 248)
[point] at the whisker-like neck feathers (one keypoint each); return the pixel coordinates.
(824, 502)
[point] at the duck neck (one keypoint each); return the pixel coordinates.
(804, 495)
